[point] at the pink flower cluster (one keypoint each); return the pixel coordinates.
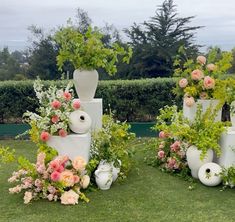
(198, 81)
(60, 171)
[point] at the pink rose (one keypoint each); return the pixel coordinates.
(211, 67)
(55, 119)
(61, 169)
(69, 197)
(67, 96)
(62, 133)
(201, 60)
(56, 104)
(67, 178)
(172, 163)
(45, 136)
(175, 146)
(209, 83)
(183, 83)
(76, 179)
(161, 154)
(197, 74)
(55, 164)
(76, 104)
(85, 181)
(50, 197)
(55, 176)
(162, 135)
(189, 101)
(79, 163)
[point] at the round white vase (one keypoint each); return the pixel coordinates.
(209, 174)
(79, 122)
(86, 82)
(115, 170)
(103, 176)
(194, 161)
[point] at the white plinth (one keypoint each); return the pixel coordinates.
(227, 143)
(190, 112)
(72, 145)
(94, 109)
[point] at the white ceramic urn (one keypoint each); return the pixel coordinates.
(194, 161)
(86, 82)
(103, 176)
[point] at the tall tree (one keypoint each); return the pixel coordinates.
(156, 42)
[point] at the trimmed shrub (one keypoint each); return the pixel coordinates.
(131, 100)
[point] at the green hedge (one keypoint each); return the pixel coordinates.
(131, 100)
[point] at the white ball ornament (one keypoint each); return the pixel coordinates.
(80, 122)
(209, 174)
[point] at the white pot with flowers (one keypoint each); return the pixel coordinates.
(87, 53)
(203, 139)
(199, 86)
(59, 123)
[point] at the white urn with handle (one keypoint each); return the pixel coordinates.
(104, 177)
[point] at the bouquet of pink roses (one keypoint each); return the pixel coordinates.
(60, 179)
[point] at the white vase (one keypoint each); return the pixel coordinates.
(72, 145)
(86, 82)
(190, 112)
(79, 122)
(194, 161)
(115, 170)
(103, 176)
(209, 174)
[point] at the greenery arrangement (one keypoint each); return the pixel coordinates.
(6, 155)
(87, 51)
(130, 100)
(112, 144)
(228, 176)
(200, 77)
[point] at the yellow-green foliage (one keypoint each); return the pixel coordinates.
(87, 51)
(6, 155)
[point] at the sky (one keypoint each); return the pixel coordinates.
(217, 16)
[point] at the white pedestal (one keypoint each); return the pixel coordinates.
(94, 109)
(190, 112)
(227, 143)
(72, 145)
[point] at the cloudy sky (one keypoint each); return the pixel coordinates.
(217, 16)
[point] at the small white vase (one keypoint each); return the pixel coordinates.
(194, 161)
(79, 122)
(103, 177)
(115, 170)
(86, 82)
(209, 174)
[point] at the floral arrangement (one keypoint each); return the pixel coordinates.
(113, 144)
(52, 117)
(59, 179)
(199, 79)
(87, 51)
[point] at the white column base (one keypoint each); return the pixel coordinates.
(94, 109)
(72, 145)
(227, 143)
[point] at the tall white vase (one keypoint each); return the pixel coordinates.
(86, 82)
(190, 112)
(194, 161)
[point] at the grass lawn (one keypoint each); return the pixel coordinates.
(147, 195)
